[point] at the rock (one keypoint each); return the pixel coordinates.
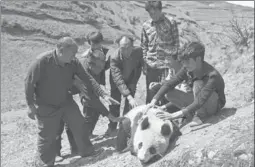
(250, 155)
(211, 154)
(216, 159)
(199, 160)
(227, 165)
(244, 157)
(240, 150)
(191, 162)
(199, 154)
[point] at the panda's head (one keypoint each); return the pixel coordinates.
(152, 137)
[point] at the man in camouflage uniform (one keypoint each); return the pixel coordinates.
(160, 43)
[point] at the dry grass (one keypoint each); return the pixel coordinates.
(24, 37)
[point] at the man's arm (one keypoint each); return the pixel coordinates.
(144, 44)
(203, 95)
(115, 65)
(170, 84)
(138, 70)
(176, 37)
(102, 74)
(107, 61)
(89, 81)
(138, 73)
(74, 90)
(31, 79)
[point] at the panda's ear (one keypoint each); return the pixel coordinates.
(176, 129)
(145, 123)
(165, 129)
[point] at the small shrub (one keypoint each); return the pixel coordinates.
(238, 32)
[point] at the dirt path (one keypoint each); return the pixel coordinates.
(226, 132)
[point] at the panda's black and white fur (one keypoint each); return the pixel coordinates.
(149, 136)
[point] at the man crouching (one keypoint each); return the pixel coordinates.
(208, 87)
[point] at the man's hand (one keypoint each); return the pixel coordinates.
(164, 116)
(168, 116)
(79, 85)
(145, 68)
(132, 101)
(110, 100)
(32, 112)
(163, 107)
(152, 103)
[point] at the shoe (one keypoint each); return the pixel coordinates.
(109, 132)
(92, 136)
(74, 152)
(95, 153)
(59, 158)
(196, 121)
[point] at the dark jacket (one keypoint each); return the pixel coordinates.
(213, 82)
(126, 71)
(90, 98)
(49, 83)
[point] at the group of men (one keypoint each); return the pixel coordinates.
(57, 75)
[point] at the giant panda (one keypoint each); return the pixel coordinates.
(145, 135)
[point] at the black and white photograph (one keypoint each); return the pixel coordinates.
(127, 83)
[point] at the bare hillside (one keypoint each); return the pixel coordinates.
(29, 28)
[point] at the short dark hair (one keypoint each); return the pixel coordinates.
(130, 37)
(65, 42)
(153, 5)
(192, 50)
(95, 37)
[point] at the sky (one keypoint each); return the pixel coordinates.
(243, 3)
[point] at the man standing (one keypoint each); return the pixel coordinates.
(208, 95)
(160, 43)
(125, 67)
(94, 61)
(47, 90)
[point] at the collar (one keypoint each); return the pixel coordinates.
(122, 57)
(56, 60)
(203, 74)
(162, 17)
(96, 49)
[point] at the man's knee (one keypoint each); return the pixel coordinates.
(197, 86)
(172, 95)
(210, 107)
(212, 104)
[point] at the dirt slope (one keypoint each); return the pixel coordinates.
(29, 28)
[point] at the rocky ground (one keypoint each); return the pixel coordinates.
(29, 28)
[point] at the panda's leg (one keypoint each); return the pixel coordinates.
(123, 134)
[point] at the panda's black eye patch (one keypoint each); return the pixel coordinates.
(165, 130)
(152, 150)
(140, 145)
(145, 123)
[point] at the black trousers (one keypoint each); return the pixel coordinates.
(115, 109)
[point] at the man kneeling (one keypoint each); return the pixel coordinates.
(208, 87)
